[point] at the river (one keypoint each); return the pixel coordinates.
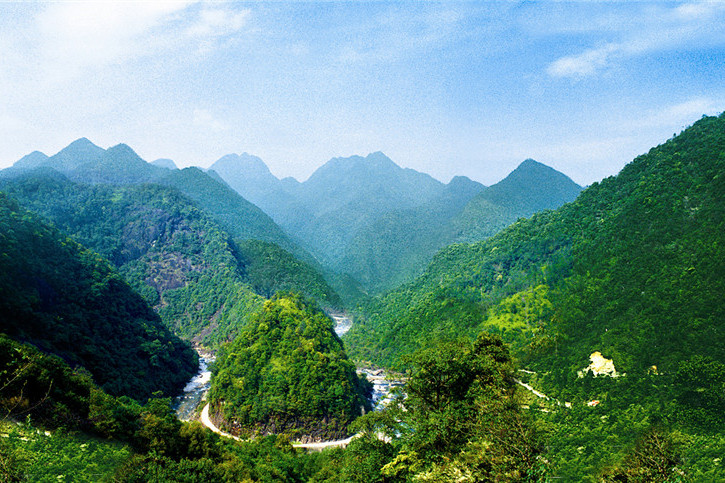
(195, 391)
(343, 323)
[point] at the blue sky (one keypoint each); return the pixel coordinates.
(451, 88)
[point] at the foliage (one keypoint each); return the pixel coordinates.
(653, 459)
(172, 252)
(28, 453)
(460, 421)
(68, 301)
(167, 249)
(287, 372)
(633, 268)
(271, 269)
(240, 218)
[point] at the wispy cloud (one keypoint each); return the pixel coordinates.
(679, 115)
(205, 120)
(684, 26)
(398, 32)
(586, 63)
(70, 38)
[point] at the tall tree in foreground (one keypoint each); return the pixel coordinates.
(459, 422)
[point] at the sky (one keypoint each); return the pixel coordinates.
(447, 88)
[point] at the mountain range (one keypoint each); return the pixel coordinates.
(365, 222)
(544, 331)
(380, 223)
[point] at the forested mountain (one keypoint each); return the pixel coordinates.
(68, 301)
(530, 188)
(398, 246)
(367, 220)
(345, 195)
(85, 162)
(270, 269)
(287, 373)
(239, 217)
(632, 270)
(164, 163)
(170, 251)
(611, 305)
(251, 178)
(623, 242)
(381, 224)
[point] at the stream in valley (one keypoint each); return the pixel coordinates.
(195, 391)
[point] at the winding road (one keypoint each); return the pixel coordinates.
(339, 443)
(342, 325)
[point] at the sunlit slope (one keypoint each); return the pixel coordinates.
(633, 268)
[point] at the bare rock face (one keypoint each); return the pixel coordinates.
(600, 366)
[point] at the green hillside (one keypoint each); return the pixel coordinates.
(84, 162)
(270, 269)
(633, 269)
(239, 217)
(68, 301)
(287, 373)
(171, 252)
(396, 246)
(637, 254)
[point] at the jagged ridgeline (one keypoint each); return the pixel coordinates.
(170, 251)
(68, 301)
(380, 223)
(287, 373)
(634, 268)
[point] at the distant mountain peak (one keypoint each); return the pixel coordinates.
(531, 164)
(462, 181)
(532, 187)
(123, 149)
(528, 162)
(532, 168)
(75, 154)
(165, 163)
(81, 142)
(32, 160)
(377, 155)
(248, 163)
(81, 146)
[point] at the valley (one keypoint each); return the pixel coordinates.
(377, 324)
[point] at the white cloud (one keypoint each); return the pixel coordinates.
(204, 119)
(216, 22)
(69, 40)
(686, 26)
(585, 64)
(679, 115)
(92, 34)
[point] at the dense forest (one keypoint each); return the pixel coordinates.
(288, 373)
(68, 301)
(381, 224)
(632, 269)
(583, 343)
(170, 251)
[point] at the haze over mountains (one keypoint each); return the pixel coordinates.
(381, 223)
(610, 304)
(364, 217)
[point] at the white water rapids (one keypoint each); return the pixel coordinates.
(195, 391)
